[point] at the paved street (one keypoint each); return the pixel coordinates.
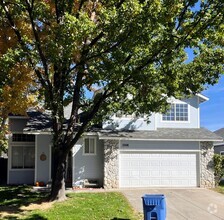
(192, 204)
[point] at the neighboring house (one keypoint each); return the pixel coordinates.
(219, 146)
(171, 151)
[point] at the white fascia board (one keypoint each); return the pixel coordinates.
(218, 144)
(144, 139)
(18, 117)
(91, 133)
(202, 98)
(48, 132)
(37, 132)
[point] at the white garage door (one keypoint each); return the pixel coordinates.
(158, 169)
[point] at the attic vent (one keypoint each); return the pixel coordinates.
(125, 145)
(23, 138)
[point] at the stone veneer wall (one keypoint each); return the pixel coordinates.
(111, 164)
(207, 172)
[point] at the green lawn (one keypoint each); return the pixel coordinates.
(112, 205)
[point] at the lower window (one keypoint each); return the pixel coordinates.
(23, 157)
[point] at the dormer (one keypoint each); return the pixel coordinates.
(183, 113)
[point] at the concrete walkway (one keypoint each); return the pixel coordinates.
(192, 204)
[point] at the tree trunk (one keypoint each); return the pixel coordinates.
(58, 178)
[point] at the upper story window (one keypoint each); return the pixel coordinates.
(177, 112)
(23, 138)
(89, 146)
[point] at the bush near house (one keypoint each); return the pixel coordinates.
(218, 168)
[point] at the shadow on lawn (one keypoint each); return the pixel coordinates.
(120, 219)
(32, 217)
(12, 198)
(36, 217)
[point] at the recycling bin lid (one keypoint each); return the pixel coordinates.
(153, 199)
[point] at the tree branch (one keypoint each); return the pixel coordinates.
(37, 41)
(57, 11)
(181, 16)
(22, 43)
(75, 103)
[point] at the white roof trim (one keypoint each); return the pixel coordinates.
(144, 139)
(218, 144)
(202, 97)
(48, 132)
(18, 117)
(36, 132)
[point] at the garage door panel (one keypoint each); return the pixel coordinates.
(145, 173)
(144, 163)
(158, 169)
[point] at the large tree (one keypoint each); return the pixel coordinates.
(115, 48)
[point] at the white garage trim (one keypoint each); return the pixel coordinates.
(182, 151)
(158, 169)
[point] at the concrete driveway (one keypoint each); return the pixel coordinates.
(192, 204)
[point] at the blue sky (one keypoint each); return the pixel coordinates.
(212, 111)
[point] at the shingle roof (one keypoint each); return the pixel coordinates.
(178, 134)
(220, 132)
(38, 121)
(41, 122)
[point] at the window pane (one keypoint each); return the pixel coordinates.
(86, 146)
(91, 149)
(29, 157)
(89, 146)
(92, 146)
(91, 141)
(17, 157)
(170, 115)
(181, 112)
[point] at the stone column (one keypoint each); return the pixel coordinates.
(111, 164)
(207, 179)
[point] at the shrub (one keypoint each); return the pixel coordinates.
(218, 167)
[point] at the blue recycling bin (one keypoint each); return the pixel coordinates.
(154, 207)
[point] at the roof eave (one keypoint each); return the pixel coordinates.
(202, 98)
(155, 139)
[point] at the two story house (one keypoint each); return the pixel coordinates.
(170, 151)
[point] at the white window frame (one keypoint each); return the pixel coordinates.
(21, 168)
(94, 141)
(177, 121)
